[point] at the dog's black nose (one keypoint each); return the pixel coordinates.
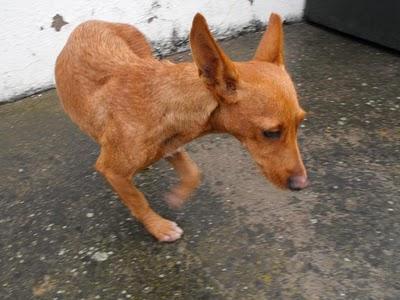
(297, 183)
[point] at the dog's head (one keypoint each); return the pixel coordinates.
(257, 101)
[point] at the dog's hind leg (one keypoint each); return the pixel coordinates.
(118, 170)
(189, 178)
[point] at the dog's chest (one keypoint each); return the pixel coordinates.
(176, 140)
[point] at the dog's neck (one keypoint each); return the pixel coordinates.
(193, 104)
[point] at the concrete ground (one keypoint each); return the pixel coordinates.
(65, 235)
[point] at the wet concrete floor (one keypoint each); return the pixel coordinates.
(65, 235)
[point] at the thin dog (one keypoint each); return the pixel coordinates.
(140, 109)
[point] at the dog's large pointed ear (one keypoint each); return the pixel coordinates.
(270, 48)
(215, 68)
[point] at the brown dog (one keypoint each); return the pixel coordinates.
(140, 109)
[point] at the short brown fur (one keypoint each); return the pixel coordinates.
(140, 109)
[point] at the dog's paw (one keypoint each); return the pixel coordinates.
(162, 229)
(170, 233)
(174, 201)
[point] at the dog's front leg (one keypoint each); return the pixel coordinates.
(189, 178)
(119, 174)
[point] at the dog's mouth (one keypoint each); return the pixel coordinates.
(285, 181)
(275, 179)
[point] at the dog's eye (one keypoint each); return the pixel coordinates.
(273, 135)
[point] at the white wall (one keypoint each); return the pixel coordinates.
(29, 44)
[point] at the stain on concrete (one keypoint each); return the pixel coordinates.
(151, 19)
(155, 5)
(176, 41)
(254, 25)
(58, 22)
(43, 287)
(179, 42)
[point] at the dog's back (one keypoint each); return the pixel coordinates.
(95, 54)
